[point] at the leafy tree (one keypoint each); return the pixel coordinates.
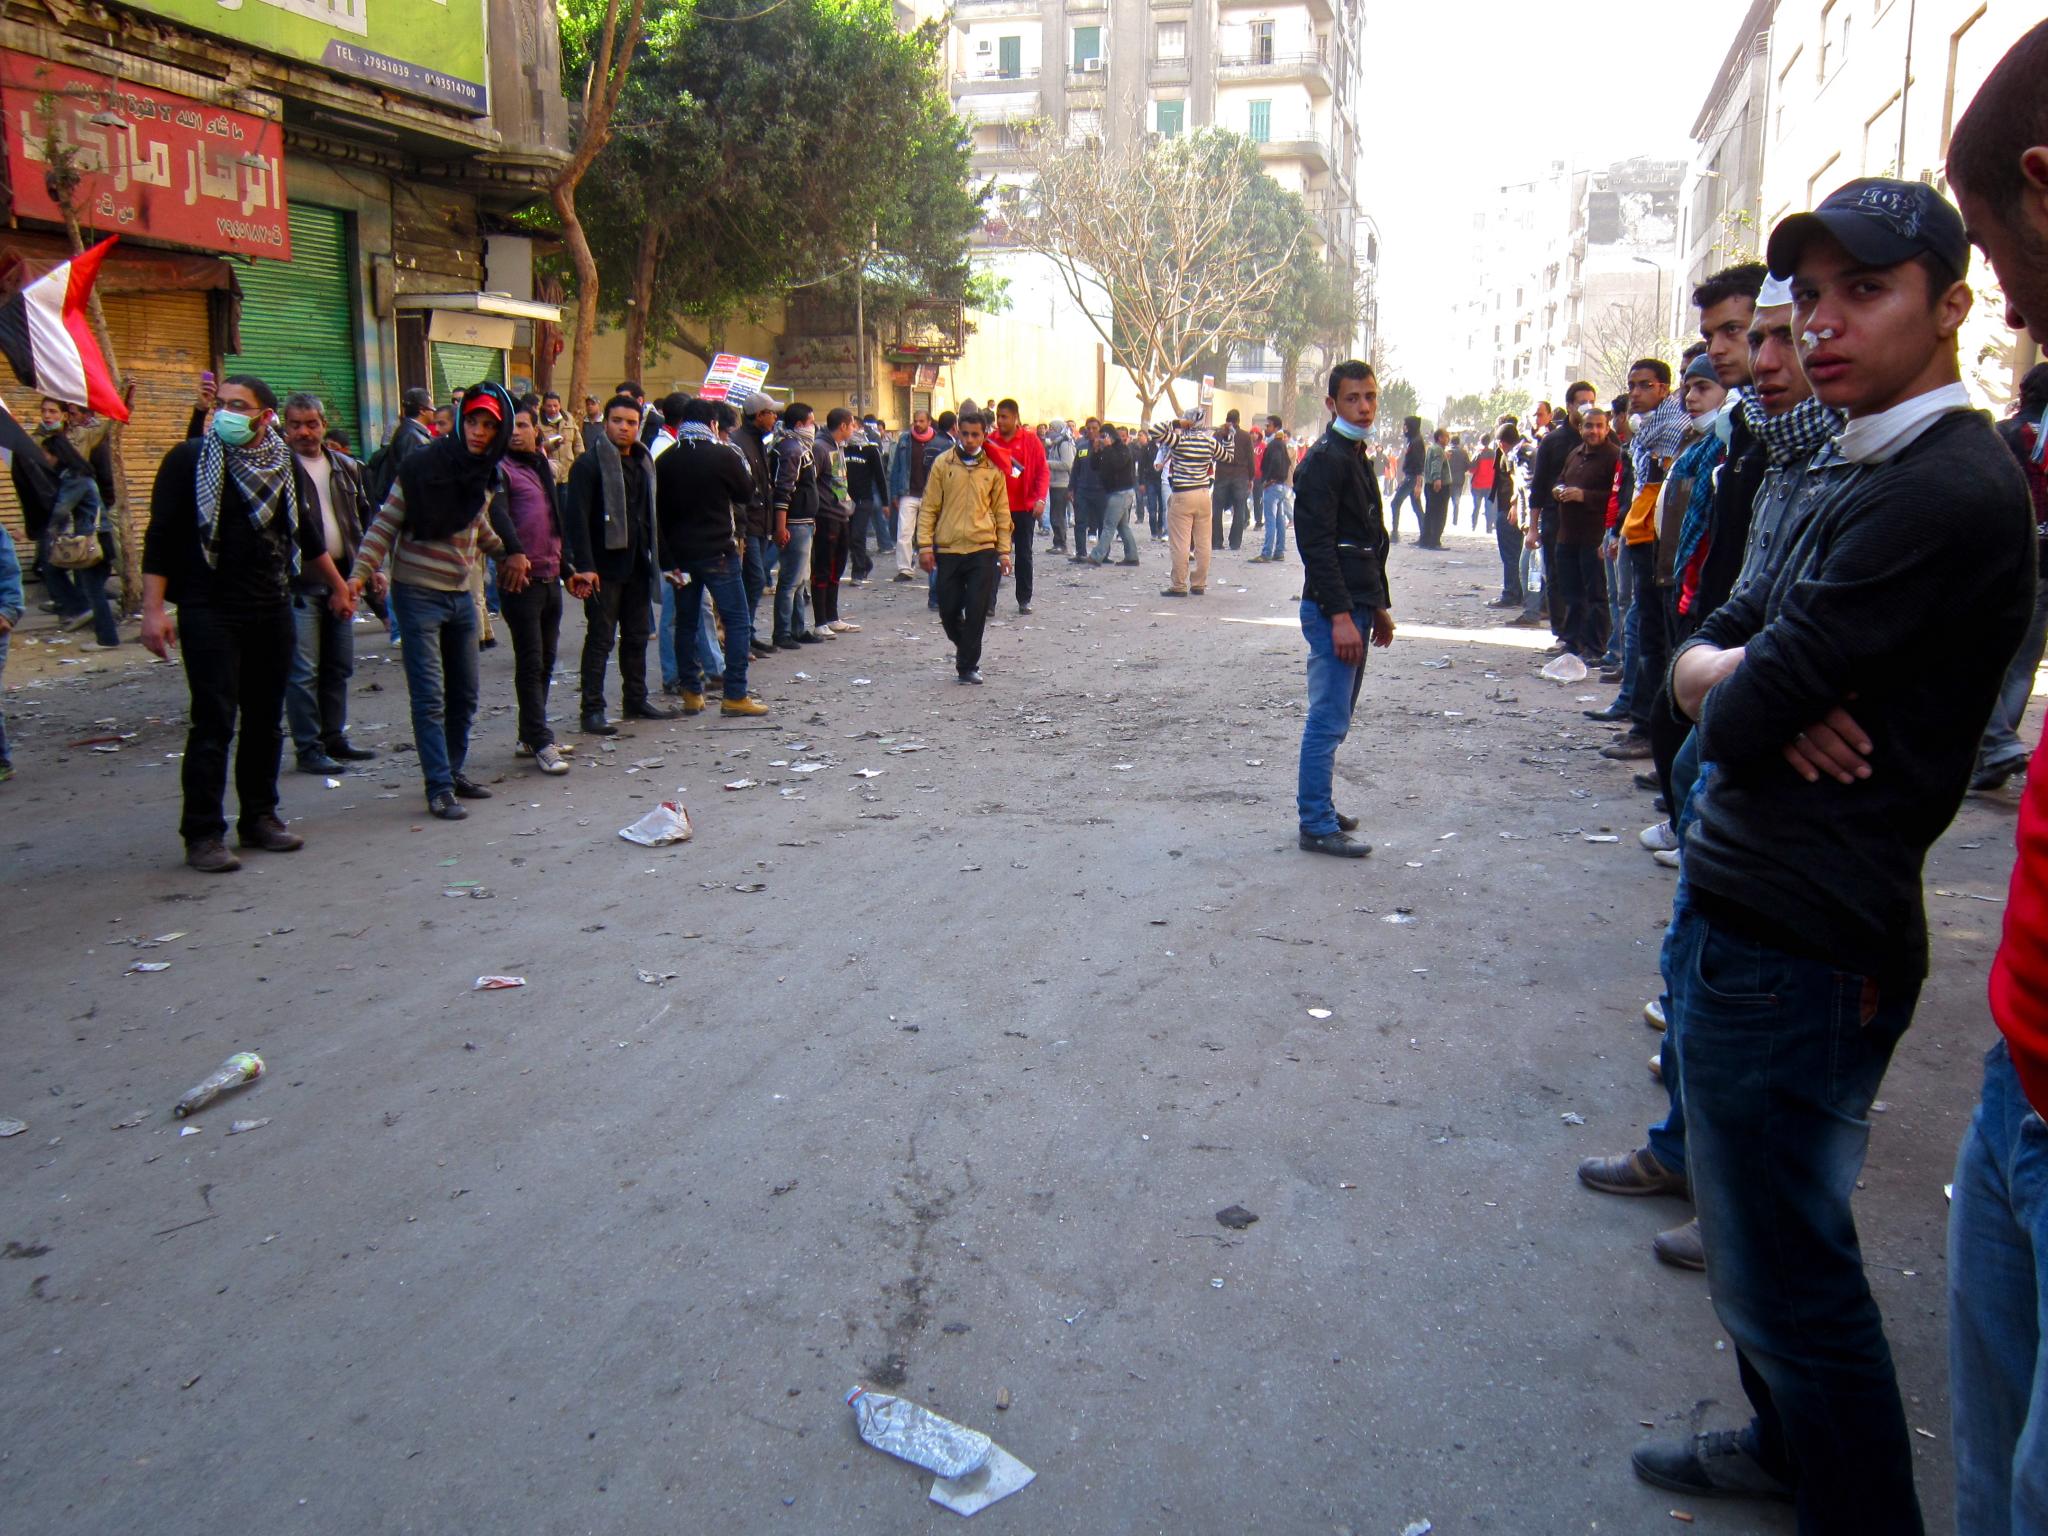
(1316, 306)
(1397, 400)
(748, 159)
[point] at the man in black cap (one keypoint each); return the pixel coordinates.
(1841, 734)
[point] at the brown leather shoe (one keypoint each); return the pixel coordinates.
(1639, 1173)
(271, 835)
(210, 856)
(1681, 1247)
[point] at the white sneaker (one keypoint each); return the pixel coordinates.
(1668, 857)
(1653, 1013)
(521, 749)
(1660, 838)
(548, 760)
(843, 627)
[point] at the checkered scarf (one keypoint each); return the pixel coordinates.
(262, 472)
(1797, 434)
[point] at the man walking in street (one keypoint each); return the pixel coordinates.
(324, 658)
(963, 529)
(1276, 480)
(1027, 488)
(795, 467)
(532, 506)
(1191, 459)
(1059, 468)
(1117, 473)
(916, 451)
(756, 432)
(231, 525)
(1551, 452)
(702, 488)
(1342, 537)
(1841, 746)
(868, 480)
(611, 519)
(1232, 491)
(835, 520)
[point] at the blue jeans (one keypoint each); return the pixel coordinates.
(2002, 744)
(1410, 487)
(1277, 503)
(709, 656)
(1332, 696)
(323, 661)
(1631, 628)
(1507, 541)
(793, 583)
(5, 640)
(723, 580)
(1617, 615)
(1116, 520)
(1783, 1058)
(1998, 1311)
(438, 633)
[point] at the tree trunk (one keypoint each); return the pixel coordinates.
(1290, 380)
(641, 300)
(601, 91)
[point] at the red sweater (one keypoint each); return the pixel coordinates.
(1024, 450)
(2019, 974)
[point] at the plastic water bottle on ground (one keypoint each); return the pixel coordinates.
(242, 1067)
(917, 1435)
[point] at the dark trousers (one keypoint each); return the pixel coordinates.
(869, 520)
(722, 580)
(1058, 501)
(621, 613)
(1507, 539)
(1023, 530)
(1653, 632)
(1668, 728)
(966, 590)
(1235, 496)
(754, 573)
(235, 667)
(1436, 508)
(534, 615)
(1546, 539)
(1783, 1057)
(1088, 505)
(1581, 580)
(828, 564)
(1409, 490)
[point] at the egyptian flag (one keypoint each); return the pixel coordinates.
(47, 336)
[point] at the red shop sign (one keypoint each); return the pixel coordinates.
(151, 165)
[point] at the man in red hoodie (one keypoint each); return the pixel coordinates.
(1998, 1223)
(1030, 482)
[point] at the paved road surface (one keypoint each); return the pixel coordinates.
(956, 1067)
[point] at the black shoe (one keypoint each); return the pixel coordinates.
(1171, 592)
(1713, 1465)
(1505, 602)
(1127, 562)
(348, 752)
(1611, 712)
(761, 650)
(1987, 779)
(1346, 823)
(444, 806)
(810, 637)
(1337, 844)
(469, 789)
(1022, 609)
(595, 724)
(319, 762)
(971, 677)
(649, 710)
(1648, 781)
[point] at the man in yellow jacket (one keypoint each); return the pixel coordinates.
(963, 527)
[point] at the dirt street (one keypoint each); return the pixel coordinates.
(957, 1064)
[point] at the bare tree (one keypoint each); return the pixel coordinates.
(1153, 246)
(1613, 341)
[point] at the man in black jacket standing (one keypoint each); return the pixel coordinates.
(1342, 537)
(1233, 488)
(316, 696)
(611, 509)
(1840, 743)
(1556, 447)
(756, 431)
(230, 527)
(702, 487)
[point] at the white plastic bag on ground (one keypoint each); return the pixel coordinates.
(667, 823)
(1566, 669)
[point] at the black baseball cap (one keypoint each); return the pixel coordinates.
(1880, 222)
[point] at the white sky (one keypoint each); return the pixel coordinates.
(1463, 96)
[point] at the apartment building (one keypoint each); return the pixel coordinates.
(1814, 93)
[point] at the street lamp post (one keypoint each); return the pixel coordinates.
(1646, 261)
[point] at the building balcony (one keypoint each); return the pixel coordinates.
(978, 106)
(1324, 11)
(1310, 69)
(989, 81)
(1169, 72)
(965, 11)
(1085, 80)
(1297, 144)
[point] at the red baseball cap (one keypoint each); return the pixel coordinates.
(486, 405)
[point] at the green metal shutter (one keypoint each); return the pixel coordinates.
(298, 318)
(457, 366)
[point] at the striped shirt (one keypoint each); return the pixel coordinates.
(1192, 454)
(442, 564)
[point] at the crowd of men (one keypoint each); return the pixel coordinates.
(1808, 564)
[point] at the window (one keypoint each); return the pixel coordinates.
(1171, 118)
(1170, 40)
(1970, 57)
(1881, 140)
(1778, 96)
(1835, 21)
(1259, 128)
(1813, 182)
(1087, 47)
(1009, 58)
(1262, 42)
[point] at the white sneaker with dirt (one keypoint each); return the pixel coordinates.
(840, 626)
(1668, 857)
(550, 760)
(1658, 839)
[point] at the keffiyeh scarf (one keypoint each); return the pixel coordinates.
(1798, 434)
(262, 472)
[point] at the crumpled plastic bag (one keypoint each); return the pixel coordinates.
(667, 823)
(1566, 669)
